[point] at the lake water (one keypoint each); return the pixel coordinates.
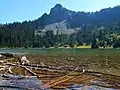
(106, 61)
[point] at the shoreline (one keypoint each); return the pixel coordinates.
(80, 47)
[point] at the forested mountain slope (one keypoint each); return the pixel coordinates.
(63, 27)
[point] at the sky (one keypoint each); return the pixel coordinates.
(21, 10)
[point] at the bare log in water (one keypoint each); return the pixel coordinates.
(34, 74)
(10, 71)
(57, 81)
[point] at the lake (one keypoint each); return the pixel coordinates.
(105, 61)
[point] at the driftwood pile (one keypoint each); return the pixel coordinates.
(53, 77)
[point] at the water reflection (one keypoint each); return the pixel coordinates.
(16, 82)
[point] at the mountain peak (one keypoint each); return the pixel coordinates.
(57, 9)
(58, 6)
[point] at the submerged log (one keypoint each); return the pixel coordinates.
(10, 71)
(57, 81)
(5, 60)
(9, 55)
(30, 71)
(3, 68)
(11, 76)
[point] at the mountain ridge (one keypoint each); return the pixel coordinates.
(76, 19)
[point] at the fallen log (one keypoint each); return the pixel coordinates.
(6, 60)
(30, 71)
(10, 55)
(57, 81)
(50, 70)
(2, 68)
(11, 64)
(48, 76)
(10, 71)
(11, 76)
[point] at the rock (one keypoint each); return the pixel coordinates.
(24, 60)
(1, 55)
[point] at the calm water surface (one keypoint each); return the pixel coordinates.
(102, 60)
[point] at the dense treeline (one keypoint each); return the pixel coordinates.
(23, 35)
(16, 35)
